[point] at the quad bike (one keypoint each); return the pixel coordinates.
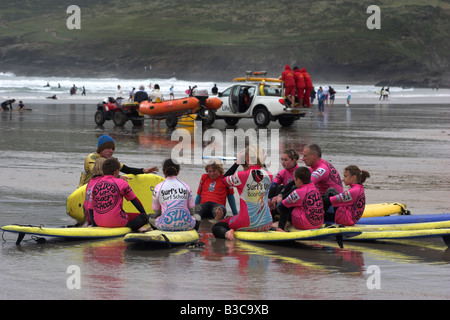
(109, 109)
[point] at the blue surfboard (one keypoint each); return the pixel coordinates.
(400, 219)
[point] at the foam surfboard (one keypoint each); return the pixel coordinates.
(143, 186)
(330, 232)
(162, 237)
(79, 233)
(404, 226)
(383, 209)
(257, 79)
(403, 234)
(401, 219)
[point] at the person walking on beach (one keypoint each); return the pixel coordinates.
(105, 149)
(381, 94)
(119, 95)
(312, 96)
(214, 90)
(131, 95)
(320, 100)
(332, 95)
(349, 95)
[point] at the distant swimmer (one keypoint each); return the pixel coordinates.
(52, 97)
(47, 85)
(6, 103)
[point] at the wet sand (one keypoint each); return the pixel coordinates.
(405, 147)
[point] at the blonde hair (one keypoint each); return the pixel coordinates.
(215, 164)
(255, 155)
(98, 167)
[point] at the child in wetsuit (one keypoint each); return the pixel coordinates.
(349, 205)
(289, 159)
(173, 203)
(253, 187)
(106, 200)
(303, 208)
(212, 193)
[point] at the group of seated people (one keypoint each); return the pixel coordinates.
(298, 196)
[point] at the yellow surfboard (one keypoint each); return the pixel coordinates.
(161, 236)
(383, 209)
(330, 232)
(404, 226)
(143, 186)
(79, 233)
(403, 234)
(257, 79)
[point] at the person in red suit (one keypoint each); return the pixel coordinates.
(308, 88)
(289, 84)
(299, 85)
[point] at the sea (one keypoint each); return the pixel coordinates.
(32, 88)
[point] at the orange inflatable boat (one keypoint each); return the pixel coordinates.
(176, 107)
(213, 103)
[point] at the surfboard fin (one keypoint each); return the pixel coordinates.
(340, 241)
(20, 238)
(446, 240)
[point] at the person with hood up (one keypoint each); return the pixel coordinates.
(308, 88)
(299, 85)
(289, 84)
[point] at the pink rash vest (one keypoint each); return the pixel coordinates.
(308, 210)
(349, 205)
(285, 176)
(107, 200)
(325, 176)
(253, 187)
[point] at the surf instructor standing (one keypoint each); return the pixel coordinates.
(105, 149)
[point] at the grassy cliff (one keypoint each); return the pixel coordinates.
(208, 39)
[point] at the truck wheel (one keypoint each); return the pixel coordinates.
(99, 117)
(261, 118)
(286, 121)
(119, 118)
(231, 121)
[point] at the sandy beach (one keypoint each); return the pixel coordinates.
(405, 145)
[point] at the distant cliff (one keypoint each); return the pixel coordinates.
(217, 40)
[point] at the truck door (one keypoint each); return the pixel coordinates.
(233, 100)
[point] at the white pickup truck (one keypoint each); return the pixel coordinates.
(261, 100)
